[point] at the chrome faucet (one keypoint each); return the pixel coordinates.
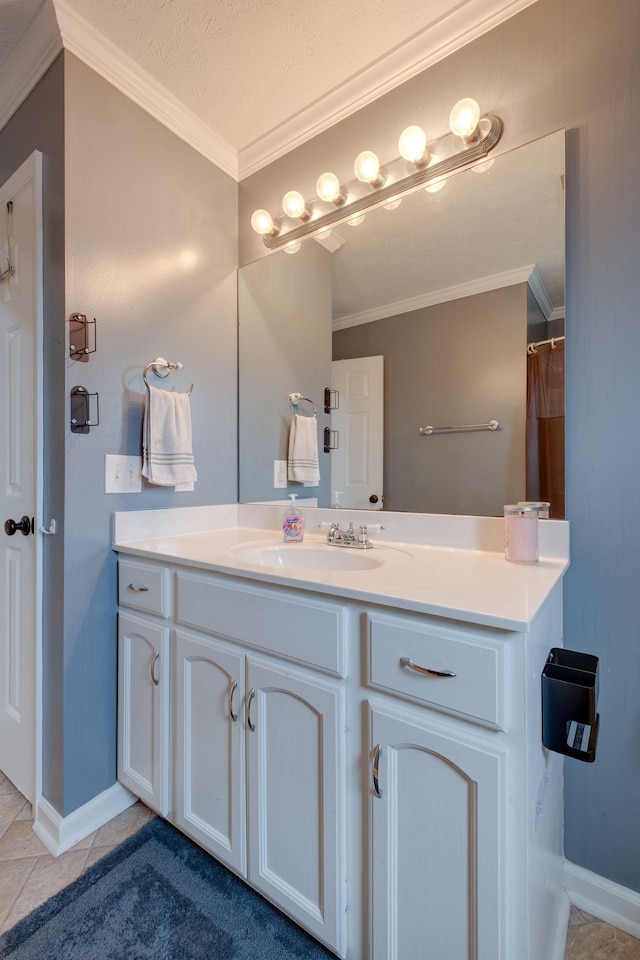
(348, 538)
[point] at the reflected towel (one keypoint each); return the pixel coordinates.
(302, 462)
(167, 456)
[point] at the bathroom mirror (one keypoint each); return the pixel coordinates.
(448, 288)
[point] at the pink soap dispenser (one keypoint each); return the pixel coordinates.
(293, 522)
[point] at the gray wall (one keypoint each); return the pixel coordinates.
(454, 363)
(151, 253)
(284, 305)
(39, 125)
(573, 64)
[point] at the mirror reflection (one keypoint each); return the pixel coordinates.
(418, 317)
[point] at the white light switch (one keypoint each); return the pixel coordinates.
(279, 474)
(122, 474)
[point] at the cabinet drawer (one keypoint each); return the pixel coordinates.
(144, 586)
(303, 629)
(476, 690)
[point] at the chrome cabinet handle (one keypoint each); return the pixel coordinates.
(234, 687)
(136, 589)
(376, 769)
(156, 657)
(408, 662)
(252, 694)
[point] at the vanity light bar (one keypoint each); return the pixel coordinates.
(477, 147)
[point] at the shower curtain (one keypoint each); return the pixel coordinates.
(545, 427)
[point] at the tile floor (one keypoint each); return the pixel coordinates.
(29, 875)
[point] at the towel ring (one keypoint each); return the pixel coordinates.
(162, 368)
(296, 398)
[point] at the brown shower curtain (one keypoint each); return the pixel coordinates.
(545, 427)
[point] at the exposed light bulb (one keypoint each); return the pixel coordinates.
(436, 184)
(463, 119)
(413, 145)
(262, 223)
(294, 206)
(356, 221)
(367, 169)
(292, 247)
(328, 188)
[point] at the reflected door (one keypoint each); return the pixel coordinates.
(356, 463)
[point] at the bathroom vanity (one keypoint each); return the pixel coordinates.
(358, 738)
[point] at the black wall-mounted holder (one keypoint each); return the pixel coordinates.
(331, 399)
(79, 337)
(80, 410)
(570, 721)
(331, 438)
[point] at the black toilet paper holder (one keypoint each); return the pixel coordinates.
(570, 721)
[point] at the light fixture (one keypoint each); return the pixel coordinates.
(328, 188)
(262, 223)
(395, 201)
(433, 163)
(367, 169)
(413, 146)
(463, 120)
(292, 247)
(294, 206)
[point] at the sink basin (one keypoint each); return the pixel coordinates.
(313, 556)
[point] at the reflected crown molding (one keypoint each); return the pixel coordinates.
(29, 60)
(467, 289)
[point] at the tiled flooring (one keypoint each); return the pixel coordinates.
(29, 875)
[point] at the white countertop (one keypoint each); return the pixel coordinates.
(478, 586)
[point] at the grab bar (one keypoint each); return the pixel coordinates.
(428, 431)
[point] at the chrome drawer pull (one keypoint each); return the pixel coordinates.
(156, 657)
(136, 589)
(234, 687)
(408, 662)
(376, 766)
(252, 694)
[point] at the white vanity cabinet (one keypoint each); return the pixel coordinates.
(260, 735)
(143, 682)
(375, 772)
(437, 792)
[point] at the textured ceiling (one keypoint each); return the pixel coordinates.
(249, 68)
(15, 17)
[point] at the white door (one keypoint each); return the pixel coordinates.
(356, 464)
(20, 326)
(209, 762)
(437, 861)
(295, 769)
(143, 709)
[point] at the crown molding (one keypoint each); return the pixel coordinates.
(470, 21)
(86, 43)
(29, 60)
(467, 289)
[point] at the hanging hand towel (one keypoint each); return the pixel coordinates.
(302, 464)
(167, 457)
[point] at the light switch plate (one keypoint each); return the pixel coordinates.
(279, 474)
(122, 474)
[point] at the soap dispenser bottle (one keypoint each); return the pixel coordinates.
(293, 522)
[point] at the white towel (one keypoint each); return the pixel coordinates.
(167, 457)
(302, 463)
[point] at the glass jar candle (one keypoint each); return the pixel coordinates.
(521, 533)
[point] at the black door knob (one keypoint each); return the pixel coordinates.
(373, 498)
(25, 526)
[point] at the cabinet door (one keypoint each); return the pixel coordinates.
(143, 709)
(436, 843)
(209, 761)
(296, 796)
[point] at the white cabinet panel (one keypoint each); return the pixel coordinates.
(296, 778)
(209, 762)
(436, 843)
(143, 709)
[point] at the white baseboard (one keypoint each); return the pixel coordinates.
(603, 898)
(60, 833)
